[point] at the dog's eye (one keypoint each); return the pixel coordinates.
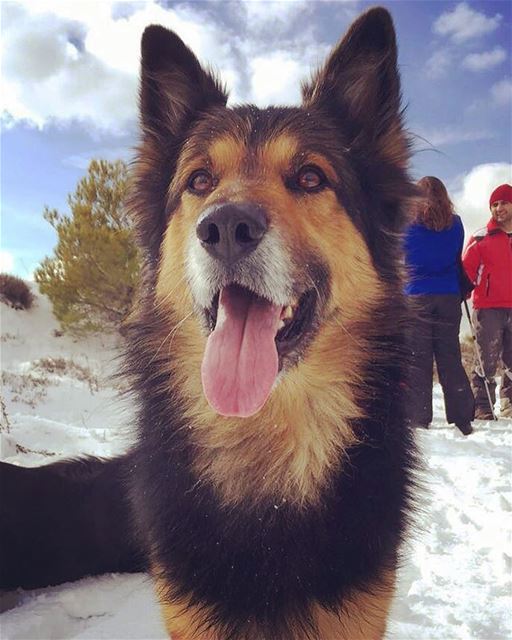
(310, 178)
(200, 182)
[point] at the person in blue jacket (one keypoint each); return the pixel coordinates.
(433, 246)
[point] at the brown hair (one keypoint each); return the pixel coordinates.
(434, 208)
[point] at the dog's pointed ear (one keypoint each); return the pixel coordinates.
(360, 84)
(174, 87)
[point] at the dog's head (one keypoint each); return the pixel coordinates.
(266, 230)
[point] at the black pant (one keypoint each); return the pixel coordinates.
(494, 337)
(435, 334)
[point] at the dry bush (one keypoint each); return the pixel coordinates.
(31, 387)
(51, 365)
(15, 292)
(5, 425)
(25, 388)
(61, 366)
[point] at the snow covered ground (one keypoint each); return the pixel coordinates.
(456, 581)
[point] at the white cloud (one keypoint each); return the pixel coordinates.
(471, 199)
(6, 261)
(485, 59)
(276, 78)
(46, 78)
(439, 63)
(79, 61)
(74, 61)
(20, 262)
(498, 96)
(447, 135)
(465, 23)
(268, 12)
(82, 161)
(279, 14)
(501, 92)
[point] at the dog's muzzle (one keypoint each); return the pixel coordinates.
(230, 231)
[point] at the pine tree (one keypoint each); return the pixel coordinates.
(91, 277)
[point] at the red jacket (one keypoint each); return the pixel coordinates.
(487, 261)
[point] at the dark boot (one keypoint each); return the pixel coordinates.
(465, 428)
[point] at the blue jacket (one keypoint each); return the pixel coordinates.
(432, 259)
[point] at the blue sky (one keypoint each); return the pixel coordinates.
(69, 83)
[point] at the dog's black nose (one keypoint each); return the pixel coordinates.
(230, 231)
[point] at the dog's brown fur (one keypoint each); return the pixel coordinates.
(283, 522)
(284, 525)
(363, 616)
(307, 438)
(364, 613)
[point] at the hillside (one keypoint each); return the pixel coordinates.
(59, 392)
(61, 401)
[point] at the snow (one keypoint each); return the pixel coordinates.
(457, 583)
(60, 393)
(456, 578)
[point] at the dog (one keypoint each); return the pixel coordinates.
(63, 521)
(272, 482)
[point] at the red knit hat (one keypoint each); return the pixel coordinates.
(503, 192)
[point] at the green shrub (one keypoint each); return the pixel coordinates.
(91, 278)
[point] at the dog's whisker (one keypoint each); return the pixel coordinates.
(169, 335)
(337, 319)
(163, 300)
(321, 297)
(180, 323)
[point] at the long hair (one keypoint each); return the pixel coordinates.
(434, 209)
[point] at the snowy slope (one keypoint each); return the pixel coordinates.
(456, 579)
(59, 392)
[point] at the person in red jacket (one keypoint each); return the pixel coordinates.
(487, 261)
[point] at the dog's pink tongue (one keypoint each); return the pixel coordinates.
(240, 361)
